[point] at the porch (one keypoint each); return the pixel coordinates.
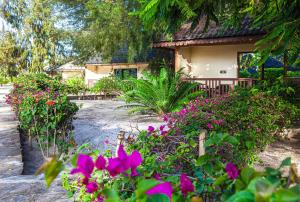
(219, 86)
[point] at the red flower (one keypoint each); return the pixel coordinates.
(50, 103)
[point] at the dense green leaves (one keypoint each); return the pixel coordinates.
(160, 93)
(280, 18)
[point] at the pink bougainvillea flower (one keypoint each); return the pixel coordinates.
(183, 112)
(232, 171)
(163, 133)
(124, 162)
(156, 176)
(150, 129)
(161, 128)
(100, 163)
(85, 166)
(163, 188)
(209, 126)
(185, 184)
(166, 118)
(114, 166)
(91, 187)
(135, 159)
(100, 198)
(217, 122)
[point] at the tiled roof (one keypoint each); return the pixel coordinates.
(215, 31)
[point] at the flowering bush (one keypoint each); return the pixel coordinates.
(44, 112)
(123, 178)
(254, 118)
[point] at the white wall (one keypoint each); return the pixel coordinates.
(208, 61)
(91, 76)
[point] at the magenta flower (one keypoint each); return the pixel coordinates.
(100, 198)
(85, 166)
(209, 126)
(183, 112)
(156, 176)
(163, 188)
(163, 133)
(161, 128)
(100, 163)
(135, 159)
(115, 166)
(124, 162)
(150, 129)
(185, 184)
(91, 187)
(217, 122)
(232, 171)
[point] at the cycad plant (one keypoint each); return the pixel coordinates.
(161, 93)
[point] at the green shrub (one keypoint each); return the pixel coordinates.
(159, 93)
(107, 85)
(44, 112)
(76, 86)
(3, 80)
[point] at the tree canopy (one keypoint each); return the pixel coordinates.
(33, 26)
(280, 18)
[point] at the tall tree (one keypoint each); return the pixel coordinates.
(105, 27)
(280, 18)
(34, 24)
(11, 55)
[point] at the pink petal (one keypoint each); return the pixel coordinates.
(85, 163)
(185, 184)
(135, 159)
(164, 188)
(121, 153)
(114, 166)
(91, 187)
(100, 163)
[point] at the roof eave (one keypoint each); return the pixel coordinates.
(209, 42)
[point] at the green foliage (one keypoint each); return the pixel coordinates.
(159, 93)
(11, 55)
(3, 80)
(268, 186)
(280, 18)
(105, 27)
(42, 44)
(44, 112)
(51, 168)
(75, 86)
(109, 85)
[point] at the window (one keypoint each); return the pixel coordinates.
(125, 73)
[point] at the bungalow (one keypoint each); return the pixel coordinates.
(212, 56)
(120, 67)
(96, 69)
(71, 70)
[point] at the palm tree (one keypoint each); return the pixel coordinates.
(161, 93)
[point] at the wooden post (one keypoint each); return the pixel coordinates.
(201, 142)
(285, 64)
(121, 138)
(177, 60)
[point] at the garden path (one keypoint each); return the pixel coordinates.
(99, 121)
(281, 149)
(15, 187)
